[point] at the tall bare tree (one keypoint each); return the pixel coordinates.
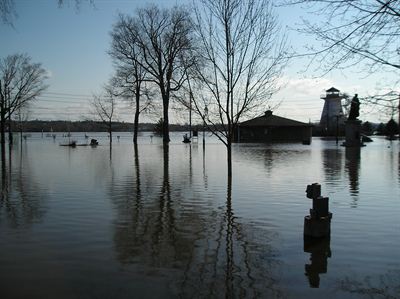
(104, 107)
(241, 54)
(130, 74)
(21, 81)
(163, 36)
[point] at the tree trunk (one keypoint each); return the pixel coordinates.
(3, 133)
(229, 241)
(110, 131)
(165, 119)
(136, 121)
(10, 134)
(229, 156)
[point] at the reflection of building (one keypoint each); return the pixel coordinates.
(332, 115)
(332, 165)
(320, 251)
(272, 128)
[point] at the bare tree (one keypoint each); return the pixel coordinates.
(104, 107)
(163, 36)
(21, 117)
(356, 33)
(241, 56)
(130, 74)
(7, 11)
(21, 81)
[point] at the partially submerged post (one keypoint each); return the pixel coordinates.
(317, 230)
(318, 223)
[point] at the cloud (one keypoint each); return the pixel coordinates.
(304, 87)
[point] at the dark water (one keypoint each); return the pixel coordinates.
(166, 223)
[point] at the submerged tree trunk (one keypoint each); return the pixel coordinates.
(10, 134)
(110, 131)
(136, 120)
(3, 133)
(229, 241)
(4, 182)
(229, 156)
(165, 119)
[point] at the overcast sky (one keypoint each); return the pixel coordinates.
(72, 45)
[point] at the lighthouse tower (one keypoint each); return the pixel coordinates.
(332, 115)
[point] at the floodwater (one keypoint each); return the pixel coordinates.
(165, 223)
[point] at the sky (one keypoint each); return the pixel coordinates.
(72, 45)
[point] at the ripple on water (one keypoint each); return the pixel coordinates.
(94, 224)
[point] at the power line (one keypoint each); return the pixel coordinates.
(66, 94)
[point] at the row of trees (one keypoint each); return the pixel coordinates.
(21, 81)
(223, 56)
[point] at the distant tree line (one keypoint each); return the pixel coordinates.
(367, 128)
(85, 126)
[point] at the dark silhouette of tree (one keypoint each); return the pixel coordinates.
(130, 76)
(158, 128)
(104, 107)
(367, 128)
(21, 81)
(380, 130)
(241, 54)
(162, 36)
(391, 128)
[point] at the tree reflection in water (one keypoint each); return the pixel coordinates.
(384, 286)
(201, 251)
(22, 200)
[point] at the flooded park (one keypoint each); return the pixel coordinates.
(155, 222)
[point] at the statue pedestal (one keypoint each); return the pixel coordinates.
(353, 135)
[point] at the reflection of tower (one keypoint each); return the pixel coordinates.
(320, 251)
(332, 114)
(332, 165)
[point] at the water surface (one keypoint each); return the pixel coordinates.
(154, 222)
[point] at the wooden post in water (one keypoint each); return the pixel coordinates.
(318, 223)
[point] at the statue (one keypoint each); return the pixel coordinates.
(354, 108)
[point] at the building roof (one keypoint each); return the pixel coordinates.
(333, 89)
(270, 120)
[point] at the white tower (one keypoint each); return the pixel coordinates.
(332, 115)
